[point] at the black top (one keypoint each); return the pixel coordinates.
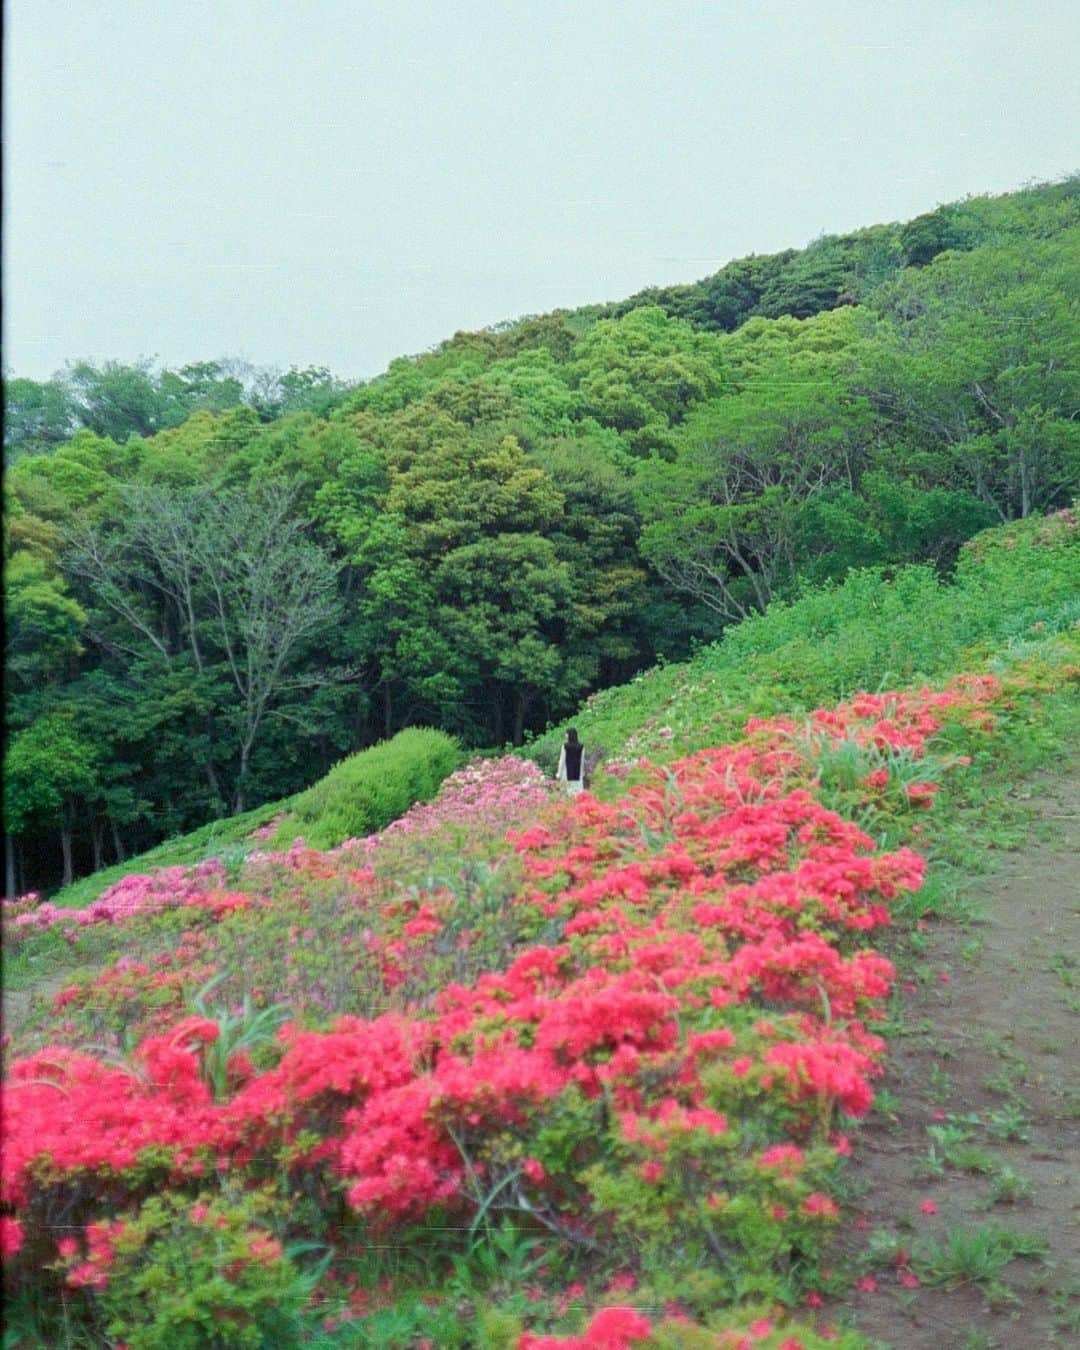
(574, 751)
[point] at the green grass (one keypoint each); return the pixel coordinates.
(1009, 1187)
(976, 1256)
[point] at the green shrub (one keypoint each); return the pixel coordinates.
(181, 1274)
(368, 790)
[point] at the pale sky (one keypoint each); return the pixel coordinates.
(338, 183)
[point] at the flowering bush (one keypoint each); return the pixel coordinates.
(179, 1273)
(657, 1067)
(169, 887)
(494, 793)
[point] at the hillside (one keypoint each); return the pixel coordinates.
(601, 1079)
(871, 630)
(489, 533)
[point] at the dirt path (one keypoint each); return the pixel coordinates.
(987, 1059)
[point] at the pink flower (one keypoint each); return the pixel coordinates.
(622, 1283)
(867, 1284)
(928, 1207)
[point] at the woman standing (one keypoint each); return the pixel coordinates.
(571, 769)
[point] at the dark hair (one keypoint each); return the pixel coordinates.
(571, 736)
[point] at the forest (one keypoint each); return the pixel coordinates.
(220, 581)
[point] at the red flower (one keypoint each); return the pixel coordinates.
(615, 1328)
(11, 1235)
(820, 1206)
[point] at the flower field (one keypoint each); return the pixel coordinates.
(591, 1086)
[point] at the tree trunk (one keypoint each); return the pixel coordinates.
(10, 883)
(95, 835)
(118, 843)
(211, 772)
(1025, 486)
(65, 848)
(388, 711)
(215, 784)
(498, 719)
(241, 780)
(519, 719)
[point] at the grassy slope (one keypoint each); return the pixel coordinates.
(1016, 586)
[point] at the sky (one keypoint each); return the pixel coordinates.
(339, 182)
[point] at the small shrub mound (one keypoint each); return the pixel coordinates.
(368, 790)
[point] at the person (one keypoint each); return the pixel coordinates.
(571, 769)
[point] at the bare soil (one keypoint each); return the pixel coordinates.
(988, 1043)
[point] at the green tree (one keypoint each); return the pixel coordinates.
(49, 769)
(723, 519)
(43, 621)
(118, 401)
(37, 417)
(973, 360)
(500, 606)
(642, 375)
(227, 583)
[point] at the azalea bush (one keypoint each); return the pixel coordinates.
(476, 804)
(643, 1033)
(178, 1273)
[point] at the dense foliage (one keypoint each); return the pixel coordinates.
(220, 585)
